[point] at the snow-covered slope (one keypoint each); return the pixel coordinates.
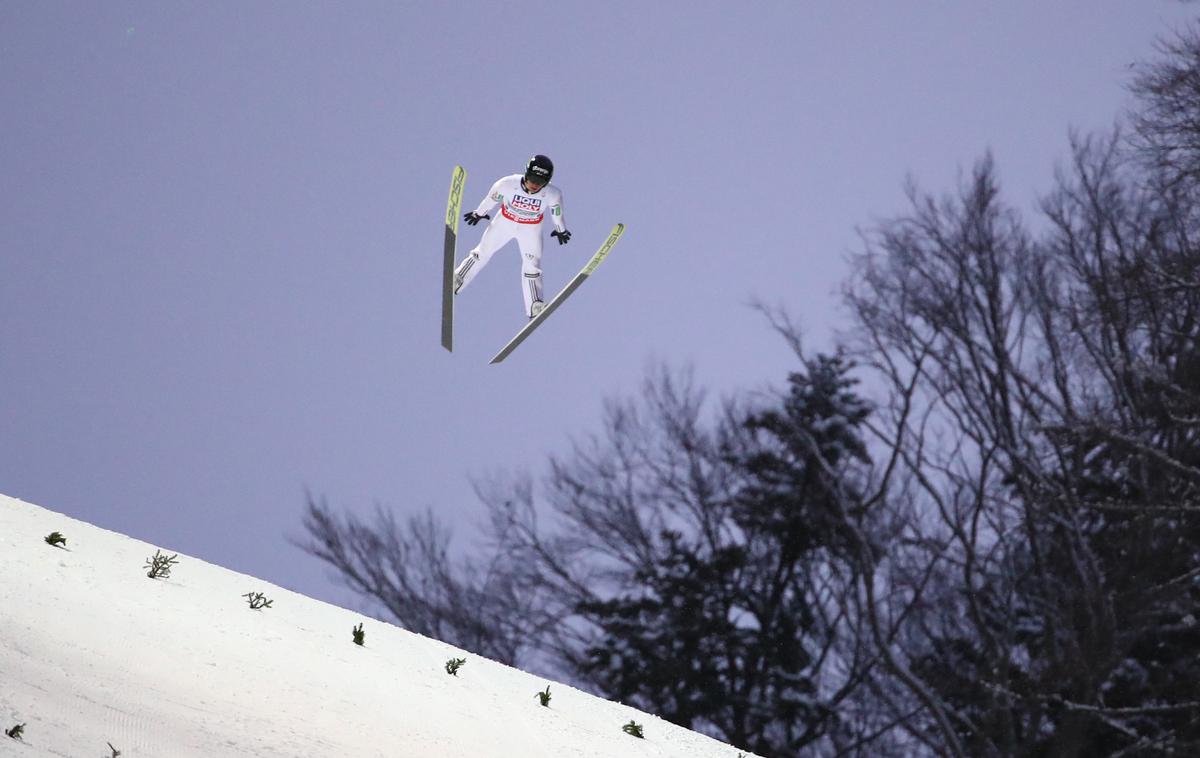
(93, 652)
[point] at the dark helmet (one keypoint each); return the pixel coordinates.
(539, 169)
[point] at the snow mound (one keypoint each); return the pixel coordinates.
(93, 652)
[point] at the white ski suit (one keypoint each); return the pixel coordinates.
(520, 218)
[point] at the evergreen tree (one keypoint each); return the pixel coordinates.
(729, 633)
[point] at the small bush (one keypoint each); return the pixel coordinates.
(15, 732)
(160, 565)
(634, 729)
(454, 664)
(359, 635)
(544, 696)
(257, 600)
(55, 539)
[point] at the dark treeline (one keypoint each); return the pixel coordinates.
(995, 551)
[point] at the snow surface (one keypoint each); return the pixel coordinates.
(92, 651)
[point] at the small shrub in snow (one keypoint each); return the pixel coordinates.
(359, 635)
(544, 696)
(160, 565)
(257, 600)
(634, 729)
(454, 664)
(15, 732)
(55, 539)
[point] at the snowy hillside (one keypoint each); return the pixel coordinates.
(93, 652)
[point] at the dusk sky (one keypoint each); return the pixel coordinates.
(221, 225)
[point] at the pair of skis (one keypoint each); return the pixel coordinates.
(457, 181)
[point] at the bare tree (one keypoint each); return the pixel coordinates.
(1023, 380)
(698, 560)
(1167, 119)
(410, 572)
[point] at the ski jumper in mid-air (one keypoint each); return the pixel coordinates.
(524, 200)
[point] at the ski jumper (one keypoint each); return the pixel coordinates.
(521, 216)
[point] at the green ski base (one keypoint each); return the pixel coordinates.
(573, 285)
(458, 180)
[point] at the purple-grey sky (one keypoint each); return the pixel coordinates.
(220, 224)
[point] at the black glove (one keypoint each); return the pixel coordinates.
(472, 218)
(563, 237)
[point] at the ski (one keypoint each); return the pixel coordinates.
(573, 285)
(458, 180)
